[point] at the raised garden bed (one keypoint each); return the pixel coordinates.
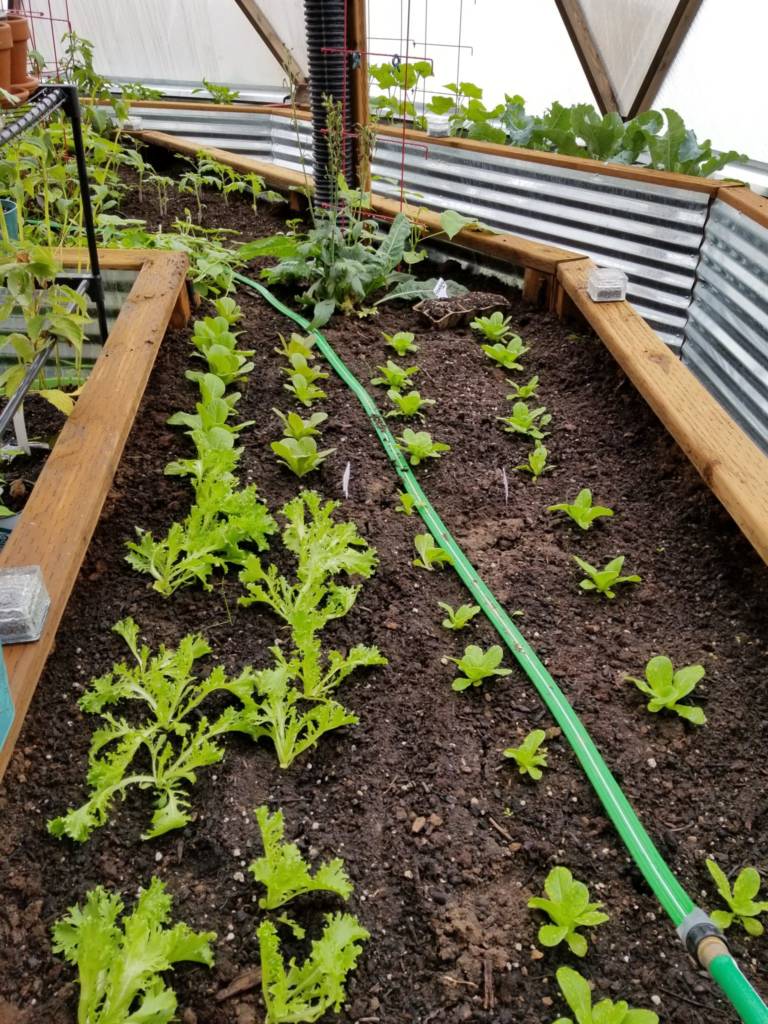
(444, 841)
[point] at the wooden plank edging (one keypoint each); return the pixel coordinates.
(58, 521)
(732, 466)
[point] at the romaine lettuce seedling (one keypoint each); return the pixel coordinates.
(283, 870)
(299, 345)
(299, 364)
(666, 687)
(477, 665)
(394, 377)
(227, 308)
(301, 455)
(120, 963)
(569, 908)
(530, 756)
(604, 580)
(304, 390)
(304, 991)
(508, 353)
(402, 342)
(295, 426)
(537, 462)
(578, 995)
(431, 555)
(418, 445)
(741, 900)
(495, 327)
(523, 391)
(407, 405)
(407, 503)
(527, 421)
(457, 618)
(582, 511)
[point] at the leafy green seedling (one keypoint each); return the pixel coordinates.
(530, 756)
(523, 391)
(402, 342)
(295, 426)
(299, 364)
(495, 327)
(284, 871)
(431, 555)
(408, 405)
(304, 991)
(305, 391)
(418, 445)
(394, 377)
(743, 907)
(527, 421)
(582, 511)
(605, 579)
(229, 309)
(537, 462)
(568, 907)
(120, 964)
(407, 503)
(300, 455)
(578, 995)
(507, 354)
(457, 618)
(666, 687)
(477, 665)
(298, 345)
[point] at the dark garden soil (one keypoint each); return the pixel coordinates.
(444, 840)
(44, 423)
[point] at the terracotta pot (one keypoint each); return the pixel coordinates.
(20, 31)
(6, 45)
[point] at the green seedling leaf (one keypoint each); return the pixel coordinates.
(408, 405)
(407, 503)
(393, 376)
(582, 511)
(298, 345)
(604, 580)
(530, 756)
(527, 421)
(458, 618)
(666, 687)
(295, 426)
(431, 555)
(477, 665)
(418, 445)
(537, 462)
(507, 353)
(523, 391)
(568, 907)
(304, 390)
(300, 455)
(402, 342)
(578, 995)
(741, 899)
(496, 327)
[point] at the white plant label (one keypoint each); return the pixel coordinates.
(345, 479)
(440, 291)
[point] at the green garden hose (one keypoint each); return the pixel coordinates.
(693, 926)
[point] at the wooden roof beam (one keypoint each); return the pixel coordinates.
(273, 41)
(589, 55)
(664, 57)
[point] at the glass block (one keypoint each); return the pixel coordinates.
(24, 603)
(438, 125)
(607, 284)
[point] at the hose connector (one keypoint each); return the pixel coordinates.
(701, 937)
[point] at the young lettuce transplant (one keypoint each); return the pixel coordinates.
(602, 581)
(530, 756)
(300, 455)
(283, 871)
(507, 354)
(582, 511)
(295, 426)
(537, 462)
(523, 391)
(578, 995)
(477, 665)
(394, 377)
(667, 686)
(304, 391)
(120, 963)
(495, 327)
(457, 618)
(431, 555)
(568, 906)
(419, 446)
(742, 906)
(297, 345)
(407, 405)
(408, 503)
(402, 342)
(527, 421)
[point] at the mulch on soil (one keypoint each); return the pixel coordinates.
(443, 839)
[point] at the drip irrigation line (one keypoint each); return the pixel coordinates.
(694, 927)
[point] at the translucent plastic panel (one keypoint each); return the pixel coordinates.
(627, 34)
(180, 40)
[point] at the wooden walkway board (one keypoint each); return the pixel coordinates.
(732, 466)
(62, 512)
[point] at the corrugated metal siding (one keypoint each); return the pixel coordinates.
(651, 232)
(726, 340)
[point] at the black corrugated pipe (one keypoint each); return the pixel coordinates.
(328, 76)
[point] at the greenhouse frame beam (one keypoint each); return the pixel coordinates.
(272, 40)
(589, 55)
(662, 61)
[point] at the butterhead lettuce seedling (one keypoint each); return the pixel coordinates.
(527, 421)
(418, 445)
(295, 426)
(523, 391)
(304, 390)
(300, 455)
(431, 555)
(407, 503)
(394, 377)
(299, 345)
(283, 870)
(578, 995)
(569, 908)
(582, 511)
(477, 665)
(537, 462)
(530, 756)
(666, 687)
(495, 327)
(459, 617)
(402, 342)
(407, 405)
(507, 353)
(120, 963)
(741, 900)
(604, 580)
